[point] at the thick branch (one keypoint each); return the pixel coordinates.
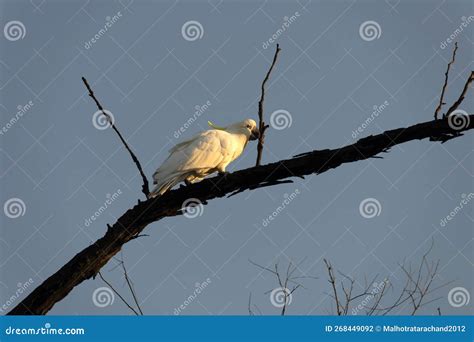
(88, 262)
(261, 124)
(145, 186)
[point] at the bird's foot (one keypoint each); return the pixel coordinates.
(188, 183)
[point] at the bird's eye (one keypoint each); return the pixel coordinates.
(248, 126)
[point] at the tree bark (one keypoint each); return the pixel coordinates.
(87, 263)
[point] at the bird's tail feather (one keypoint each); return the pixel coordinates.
(164, 185)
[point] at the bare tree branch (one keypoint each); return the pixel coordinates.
(463, 94)
(118, 294)
(332, 280)
(250, 304)
(88, 262)
(145, 186)
(121, 263)
(417, 288)
(130, 286)
(284, 281)
(262, 127)
(446, 75)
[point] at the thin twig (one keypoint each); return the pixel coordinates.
(130, 286)
(283, 282)
(250, 304)
(118, 294)
(462, 96)
(415, 293)
(145, 186)
(332, 280)
(446, 75)
(262, 127)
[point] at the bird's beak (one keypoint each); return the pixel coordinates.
(255, 134)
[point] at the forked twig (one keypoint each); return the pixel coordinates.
(118, 294)
(284, 280)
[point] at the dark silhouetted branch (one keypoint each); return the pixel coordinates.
(332, 281)
(285, 281)
(130, 286)
(418, 286)
(262, 127)
(87, 263)
(118, 294)
(463, 94)
(446, 75)
(145, 186)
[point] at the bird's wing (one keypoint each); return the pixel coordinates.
(206, 150)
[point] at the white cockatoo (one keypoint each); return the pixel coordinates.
(208, 152)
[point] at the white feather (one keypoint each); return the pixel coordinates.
(202, 155)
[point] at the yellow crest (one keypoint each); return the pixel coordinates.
(215, 126)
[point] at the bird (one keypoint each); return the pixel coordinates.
(208, 152)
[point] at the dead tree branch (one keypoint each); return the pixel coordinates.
(418, 286)
(262, 127)
(87, 263)
(446, 75)
(130, 287)
(145, 186)
(332, 280)
(118, 294)
(463, 94)
(285, 281)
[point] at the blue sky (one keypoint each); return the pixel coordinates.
(153, 78)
